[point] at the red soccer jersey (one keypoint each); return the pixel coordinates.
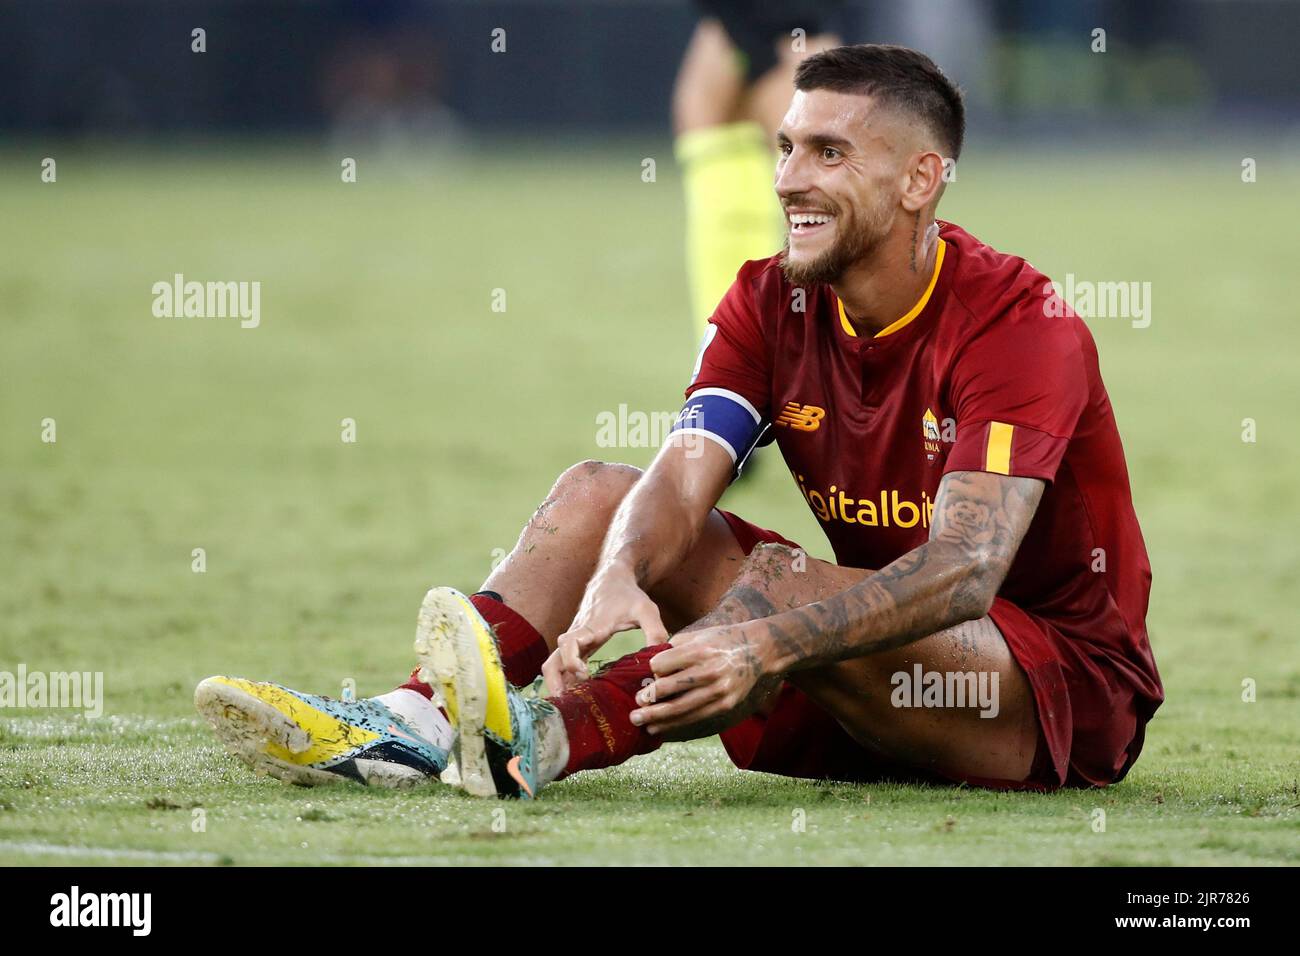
(981, 376)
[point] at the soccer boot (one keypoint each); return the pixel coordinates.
(500, 734)
(309, 740)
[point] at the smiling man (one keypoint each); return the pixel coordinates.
(946, 422)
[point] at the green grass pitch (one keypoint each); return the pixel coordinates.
(376, 305)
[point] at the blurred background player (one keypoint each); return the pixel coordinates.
(732, 89)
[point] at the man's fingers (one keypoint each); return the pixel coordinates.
(552, 673)
(665, 687)
(674, 659)
(573, 665)
(682, 638)
(577, 644)
(565, 667)
(652, 624)
(673, 726)
(568, 664)
(584, 635)
(680, 706)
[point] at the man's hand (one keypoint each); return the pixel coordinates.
(707, 681)
(651, 533)
(613, 602)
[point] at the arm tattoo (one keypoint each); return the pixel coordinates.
(979, 522)
(742, 603)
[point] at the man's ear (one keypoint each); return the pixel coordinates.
(924, 182)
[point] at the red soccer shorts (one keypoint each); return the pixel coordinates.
(1091, 723)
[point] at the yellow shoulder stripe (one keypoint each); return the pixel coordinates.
(997, 456)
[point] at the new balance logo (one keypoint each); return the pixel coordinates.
(803, 418)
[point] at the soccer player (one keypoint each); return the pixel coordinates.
(943, 416)
(732, 89)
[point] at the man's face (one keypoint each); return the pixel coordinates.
(838, 179)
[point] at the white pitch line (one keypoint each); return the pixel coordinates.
(105, 852)
(194, 856)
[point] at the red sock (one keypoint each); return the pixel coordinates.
(596, 714)
(523, 649)
(414, 683)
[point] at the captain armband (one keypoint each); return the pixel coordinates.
(724, 417)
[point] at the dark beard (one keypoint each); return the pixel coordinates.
(826, 268)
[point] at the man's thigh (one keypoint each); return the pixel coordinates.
(955, 703)
(1064, 714)
(709, 570)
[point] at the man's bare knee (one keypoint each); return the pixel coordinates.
(769, 562)
(597, 486)
(543, 576)
(756, 590)
(787, 577)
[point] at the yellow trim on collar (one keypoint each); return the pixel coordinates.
(912, 313)
(845, 324)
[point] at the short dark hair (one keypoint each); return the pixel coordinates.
(895, 75)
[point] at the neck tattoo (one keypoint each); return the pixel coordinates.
(916, 227)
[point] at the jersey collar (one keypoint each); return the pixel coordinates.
(912, 313)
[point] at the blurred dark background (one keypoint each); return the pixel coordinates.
(125, 67)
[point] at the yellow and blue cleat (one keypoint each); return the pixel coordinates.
(310, 740)
(496, 725)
